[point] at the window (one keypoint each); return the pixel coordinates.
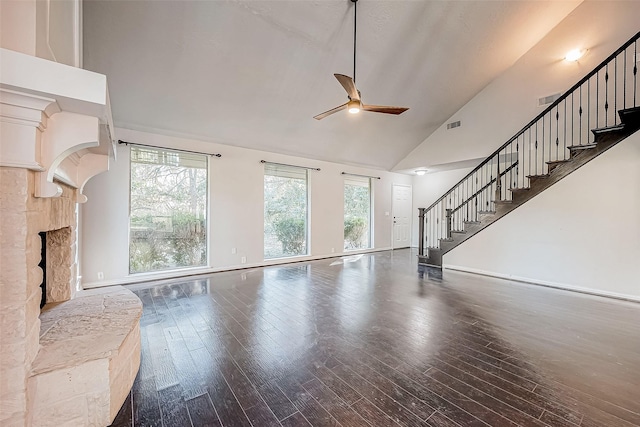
(168, 210)
(285, 211)
(357, 213)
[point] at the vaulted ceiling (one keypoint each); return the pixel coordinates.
(254, 73)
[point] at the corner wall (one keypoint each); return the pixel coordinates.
(582, 233)
(236, 208)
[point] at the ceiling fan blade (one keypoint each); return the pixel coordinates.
(330, 112)
(348, 85)
(384, 109)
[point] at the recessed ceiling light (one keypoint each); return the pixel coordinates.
(575, 54)
(421, 172)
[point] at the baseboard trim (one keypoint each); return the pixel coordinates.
(545, 283)
(191, 272)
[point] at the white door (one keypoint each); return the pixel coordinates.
(401, 216)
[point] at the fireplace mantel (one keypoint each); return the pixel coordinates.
(61, 115)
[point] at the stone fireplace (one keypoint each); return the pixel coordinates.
(73, 362)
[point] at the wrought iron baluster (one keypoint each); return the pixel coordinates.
(606, 96)
(588, 109)
(615, 90)
(635, 72)
(564, 150)
(536, 171)
(580, 117)
(597, 97)
(624, 81)
(541, 158)
(518, 158)
(573, 119)
(557, 131)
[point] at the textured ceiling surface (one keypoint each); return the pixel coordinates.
(254, 73)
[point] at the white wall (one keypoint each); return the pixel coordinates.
(49, 29)
(510, 101)
(236, 200)
(583, 232)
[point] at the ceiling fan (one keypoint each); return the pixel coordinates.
(354, 105)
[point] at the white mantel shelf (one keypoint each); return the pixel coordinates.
(55, 119)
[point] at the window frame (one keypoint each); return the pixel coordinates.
(307, 217)
(206, 211)
(370, 241)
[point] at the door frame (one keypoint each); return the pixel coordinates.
(410, 186)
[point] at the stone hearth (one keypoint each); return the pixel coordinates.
(89, 357)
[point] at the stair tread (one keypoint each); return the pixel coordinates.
(472, 222)
(515, 190)
(486, 212)
(582, 147)
(608, 128)
(539, 176)
(458, 231)
(553, 162)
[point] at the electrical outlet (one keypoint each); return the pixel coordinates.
(100, 275)
(233, 250)
(243, 260)
(333, 250)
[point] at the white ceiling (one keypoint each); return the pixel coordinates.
(254, 73)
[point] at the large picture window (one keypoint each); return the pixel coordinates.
(168, 210)
(285, 211)
(357, 213)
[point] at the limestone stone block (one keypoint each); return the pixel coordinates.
(13, 384)
(12, 355)
(13, 229)
(66, 383)
(13, 202)
(98, 409)
(13, 322)
(69, 413)
(14, 181)
(16, 419)
(13, 284)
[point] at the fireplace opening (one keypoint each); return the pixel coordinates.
(43, 266)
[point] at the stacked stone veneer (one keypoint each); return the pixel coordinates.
(22, 217)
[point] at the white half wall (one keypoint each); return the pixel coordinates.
(582, 233)
(236, 208)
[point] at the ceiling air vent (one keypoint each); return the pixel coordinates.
(453, 125)
(546, 100)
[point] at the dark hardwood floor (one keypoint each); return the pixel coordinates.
(370, 341)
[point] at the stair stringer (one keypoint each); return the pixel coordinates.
(605, 138)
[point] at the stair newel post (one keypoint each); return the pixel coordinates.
(421, 231)
(448, 224)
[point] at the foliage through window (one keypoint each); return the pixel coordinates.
(357, 213)
(285, 211)
(168, 210)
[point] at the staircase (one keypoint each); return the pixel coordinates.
(598, 112)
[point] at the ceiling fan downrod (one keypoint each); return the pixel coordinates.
(355, 23)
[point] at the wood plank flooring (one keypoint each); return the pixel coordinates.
(371, 341)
